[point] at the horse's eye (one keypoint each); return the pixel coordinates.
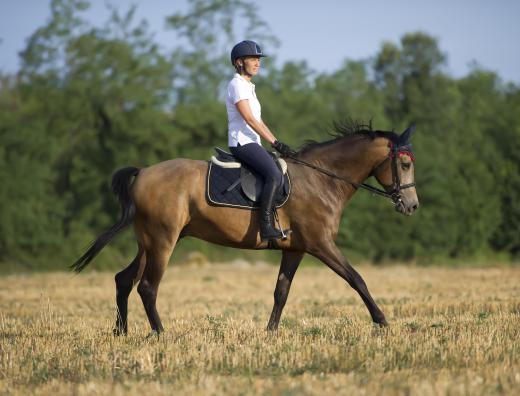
(406, 165)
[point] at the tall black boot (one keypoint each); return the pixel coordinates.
(267, 231)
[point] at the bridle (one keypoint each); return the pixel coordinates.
(396, 151)
(392, 191)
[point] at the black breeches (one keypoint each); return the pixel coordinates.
(258, 159)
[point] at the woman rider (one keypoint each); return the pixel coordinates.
(245, 127)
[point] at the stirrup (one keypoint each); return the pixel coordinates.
(276, 235)
(273, 233)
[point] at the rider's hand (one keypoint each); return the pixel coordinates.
(283, 149)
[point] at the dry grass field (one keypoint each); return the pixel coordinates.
(452, 332)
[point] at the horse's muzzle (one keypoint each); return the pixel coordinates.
(406, 208)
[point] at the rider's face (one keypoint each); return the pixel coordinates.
(251, 65)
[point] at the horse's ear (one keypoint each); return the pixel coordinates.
(404, 139)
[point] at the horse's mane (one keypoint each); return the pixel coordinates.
(349, 128)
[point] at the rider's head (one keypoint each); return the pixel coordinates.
(245, 57)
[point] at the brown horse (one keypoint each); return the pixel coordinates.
(167, 201)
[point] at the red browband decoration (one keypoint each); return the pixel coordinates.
(404, 151)
(407, 153)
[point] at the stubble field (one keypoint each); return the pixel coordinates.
(452, 331)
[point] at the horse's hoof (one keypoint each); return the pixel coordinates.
(118, 332)
(153, 334)
(382, 323)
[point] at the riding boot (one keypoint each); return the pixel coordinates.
(267, 230)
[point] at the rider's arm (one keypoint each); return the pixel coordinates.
(258, 126)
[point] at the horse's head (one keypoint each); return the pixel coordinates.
(396, 174)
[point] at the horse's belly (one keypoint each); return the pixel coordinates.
(226, 226)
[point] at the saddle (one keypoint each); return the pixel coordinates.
(231, 183)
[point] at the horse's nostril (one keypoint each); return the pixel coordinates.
(415, 207)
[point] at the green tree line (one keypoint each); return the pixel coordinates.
(90, 99)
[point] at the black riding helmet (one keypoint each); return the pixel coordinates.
(246, 48)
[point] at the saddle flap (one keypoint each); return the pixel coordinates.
(251, 184)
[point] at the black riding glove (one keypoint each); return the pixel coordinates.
(283, 149)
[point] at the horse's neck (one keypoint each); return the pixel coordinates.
(351, 158)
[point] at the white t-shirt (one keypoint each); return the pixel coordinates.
(238, 130)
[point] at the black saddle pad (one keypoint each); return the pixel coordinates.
(220, 179)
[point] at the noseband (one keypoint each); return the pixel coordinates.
(392, 191)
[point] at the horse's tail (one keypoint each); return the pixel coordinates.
(121, 183)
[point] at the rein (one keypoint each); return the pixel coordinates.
(365, 186)
(394, 195)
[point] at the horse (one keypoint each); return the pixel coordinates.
(166, 202)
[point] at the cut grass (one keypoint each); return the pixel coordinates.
(452, 331)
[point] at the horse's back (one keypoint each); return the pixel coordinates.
(169, 183)
(173, 169)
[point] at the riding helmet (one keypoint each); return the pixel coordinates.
(245, 48)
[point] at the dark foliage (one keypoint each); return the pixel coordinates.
(87, 101)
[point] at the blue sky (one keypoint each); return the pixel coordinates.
(324, 33)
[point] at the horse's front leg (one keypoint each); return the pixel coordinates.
(288, 267)
(330, 254)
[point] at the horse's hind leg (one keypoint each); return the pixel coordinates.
(125, 281)
(288, 267)
(157, 257)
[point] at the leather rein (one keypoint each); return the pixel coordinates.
(396, 187)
